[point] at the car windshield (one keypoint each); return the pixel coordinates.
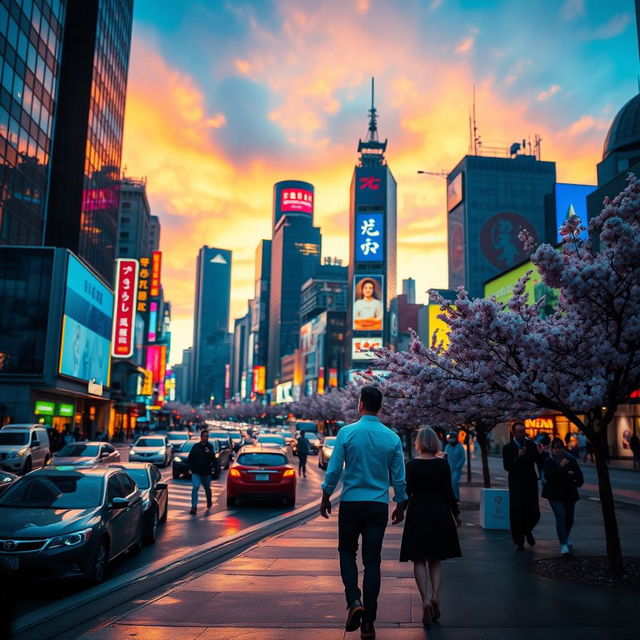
(74, 491)
(272, 439)
(13, 437)
(219, 435)
(178, 436)
(78, 450)
(329, 442)
(149, 442)
(261, 459)
(140, 477)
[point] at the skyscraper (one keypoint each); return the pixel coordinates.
(372, 247)
(134, 219)
(260, 320)
(30, 58)
(489, 200)
(409, 290)
(211, 339)
(295, 255)
(82, 211)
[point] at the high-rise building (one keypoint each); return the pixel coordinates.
(30, 58)
(409, 290)
(326, 290)
(154, 234)
(292, 198)
(260, 315)
(489, 200)
(372, 248)
(82, 210)
(241, 358)
(295, 255)
(134, 219)
(211, 340)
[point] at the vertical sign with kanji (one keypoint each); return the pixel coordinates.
(156, 263)
(124, 312)
(143, 285)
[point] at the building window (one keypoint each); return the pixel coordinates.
(126, 205)
(124, 235)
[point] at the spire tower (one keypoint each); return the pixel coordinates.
(372, 150)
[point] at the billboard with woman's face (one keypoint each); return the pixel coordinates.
(368, 303)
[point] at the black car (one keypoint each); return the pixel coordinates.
(181, 468)
(6, 480)
(225, 442)
(64, 522)
(155, 495)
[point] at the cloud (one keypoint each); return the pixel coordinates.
(435, 5)
(614, 27)
(543, 96)
(572, 9)
(464, 46)
(363, 5)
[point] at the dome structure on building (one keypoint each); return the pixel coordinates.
(624, 133)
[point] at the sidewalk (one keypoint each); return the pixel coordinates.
(288, 588)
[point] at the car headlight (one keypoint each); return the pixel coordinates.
(70, 539)
(19, 453)
(177, 459)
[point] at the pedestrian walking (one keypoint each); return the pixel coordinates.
(562, 478)
(430, 531)
(371, 456)
(456, 457)
(520, 457)
(634, 445)
(201, 462)
(302, 446)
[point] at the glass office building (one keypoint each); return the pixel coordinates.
(30, 57)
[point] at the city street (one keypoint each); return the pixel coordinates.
(181, 532)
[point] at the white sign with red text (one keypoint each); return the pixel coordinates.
(124, 312)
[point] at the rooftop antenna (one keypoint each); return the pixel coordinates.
(475, 138)
(373, 116)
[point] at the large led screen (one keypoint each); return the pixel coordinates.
(86, 326)
(369, 237)
(572, 199)
(368, 305)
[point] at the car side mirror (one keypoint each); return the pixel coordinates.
(119, 503)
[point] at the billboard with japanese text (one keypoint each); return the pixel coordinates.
(369, 237)
(156, 265)
(157, 361)
(368, 306)
(144, 276)
(124, 312)
(85, 349)
(361, 347)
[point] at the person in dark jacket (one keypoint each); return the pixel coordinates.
(302, 444)
(520, 457)
(562, 479)
(201, 462)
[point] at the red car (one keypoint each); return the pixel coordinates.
(261, 472)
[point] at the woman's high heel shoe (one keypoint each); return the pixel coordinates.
(427, 615)
(436, 610)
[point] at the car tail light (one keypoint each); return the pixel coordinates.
(235, 473)
(288, 473)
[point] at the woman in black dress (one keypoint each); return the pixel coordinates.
(430, 531)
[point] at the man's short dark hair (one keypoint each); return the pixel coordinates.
(371, 398)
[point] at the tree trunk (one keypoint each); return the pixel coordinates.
(614, 549)
(484, 453)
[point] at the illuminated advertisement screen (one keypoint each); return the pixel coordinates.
(454, 192)
(156, 266)
(259, 379)
(368, 308)
(157, 361)
(296, 200)
(369, 237)
(572, 199)
(153, 322)
(124, 314)
(361, 347)
(86, 326)
(370, 185)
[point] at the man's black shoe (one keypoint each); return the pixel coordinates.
(354, 617)
(530, 539)
(367, 631)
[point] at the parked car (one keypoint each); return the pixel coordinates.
(155, 495)
(85, 454)
(180, 467)
(272, 440)
(324, 454)
(63, 523)
(261, 472)
(24, 447)
(177, 439)
(6, 480)
(155, 449)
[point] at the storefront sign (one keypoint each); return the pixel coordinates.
(124, 312)
(44, 408)
(65, 410)
(94, 388)
(144, 276)
(536, 426)
(259, 380)
(156, 263)
(333, 378)
(147, 384)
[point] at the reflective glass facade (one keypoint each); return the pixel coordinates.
(30, 56)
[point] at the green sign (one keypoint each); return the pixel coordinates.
(65, 410)
(44, 408)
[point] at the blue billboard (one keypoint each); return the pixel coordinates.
(369, 237)
(86, 326)
(572, 199)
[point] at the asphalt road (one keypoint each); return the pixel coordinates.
(182, 531)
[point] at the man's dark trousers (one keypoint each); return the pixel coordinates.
(369, 520)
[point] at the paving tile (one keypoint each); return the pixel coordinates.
(230, 633)
(177, 606)
(146, 632)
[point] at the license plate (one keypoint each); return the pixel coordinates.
(10, 561)
(262, 477)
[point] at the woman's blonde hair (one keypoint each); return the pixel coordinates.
(427, 440)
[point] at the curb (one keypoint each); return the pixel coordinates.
(94, 601)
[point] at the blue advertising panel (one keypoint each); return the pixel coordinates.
(570, 199)
(369, 237)
(86, 326)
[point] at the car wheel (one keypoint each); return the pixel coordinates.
(151, 530)
(228, 463)
(290, 502)
(163, 518)
(231, 502)
(136, 547)
(27, 466)
(96, 565)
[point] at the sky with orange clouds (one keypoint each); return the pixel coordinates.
(227, 97)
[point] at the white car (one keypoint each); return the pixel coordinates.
(154, 449)
(23, 447)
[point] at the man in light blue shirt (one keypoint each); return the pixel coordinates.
(371, 455)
